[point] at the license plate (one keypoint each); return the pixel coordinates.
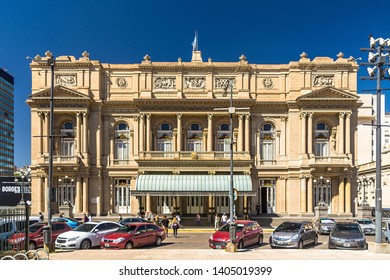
(106, 245)
(218, 247)
(347, 245)
(280, 242)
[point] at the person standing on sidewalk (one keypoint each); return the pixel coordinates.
(165, 224)
(216, 221)
(197, 219)
(175, 226)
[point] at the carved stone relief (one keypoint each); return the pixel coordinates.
(323, 81)
(165, 83)
(195, 82)
(268, 83)
(223, 83)
(121, 82)
(66, 79)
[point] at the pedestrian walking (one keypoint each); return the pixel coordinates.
(165, 224)
(224, 219)
(89, 217)
(85, 218)
(258, 209)
(216, 221)
(175, 226)
(40, 217)
(120, 218)
(197, 219)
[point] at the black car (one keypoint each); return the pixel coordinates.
(347, 236)
(133, 220)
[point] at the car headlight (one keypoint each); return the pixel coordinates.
(73, 238)
(359, 239)
(17, 240)
(211, 237)
(295, 236)
(120, 239)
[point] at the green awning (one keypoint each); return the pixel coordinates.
(184, 185)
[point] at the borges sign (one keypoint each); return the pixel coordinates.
(11, 191)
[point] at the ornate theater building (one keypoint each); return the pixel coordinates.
(155, 136)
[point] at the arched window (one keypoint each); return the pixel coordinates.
(194, 137)
(267, 142)
(67, 142)
(321, 139)
(164, 137)
(223, 134)
(122, 141)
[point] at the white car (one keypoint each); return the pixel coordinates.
(86, 235)
(367, 226)
(386, 230)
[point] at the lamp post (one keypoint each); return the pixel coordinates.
(321, 184)
(25, 206)
(378, 51)
(363, 183)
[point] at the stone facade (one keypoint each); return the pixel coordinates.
(293, 124)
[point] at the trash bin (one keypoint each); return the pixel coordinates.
(232, 230)
(46, 235)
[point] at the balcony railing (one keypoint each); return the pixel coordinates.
(62, 159)
(191, 155)
(331, 160)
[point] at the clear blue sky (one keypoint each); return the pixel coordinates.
(119, 31)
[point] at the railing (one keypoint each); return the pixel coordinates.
(331, 160)
(185, 155)
(62, 159)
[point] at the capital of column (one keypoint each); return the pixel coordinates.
(283, 119)
(210, 116)
(148, 116)
(179, 116)
(241, 117)
(135, 118)
(310, 114)
(341, 115)
(303, 115)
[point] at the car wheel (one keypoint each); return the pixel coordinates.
(129, 245)
(260, 241)
(365, 246)
(300, 244)
(330, 247)
(158, 241)
(85, 244)
(240, 244)
(315, 241)
(32, 245)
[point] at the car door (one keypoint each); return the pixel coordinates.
(57, 230)
(305, 236)
(97, 234)
(151, 231)
(139, 236)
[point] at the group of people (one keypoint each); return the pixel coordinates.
(87, 217)
(223, 220)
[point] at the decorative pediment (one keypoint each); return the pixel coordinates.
(60, 93)
(328, 94)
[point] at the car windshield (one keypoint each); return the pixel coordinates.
(289, 227)
(364, 222)
(347, 227)
(34, 228)
(85, 227)
(127, 229)
(327, 221)
(225, 228)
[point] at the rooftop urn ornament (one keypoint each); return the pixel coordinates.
(340, 55)
(48, 54)
(147, 57)
(85, 54)
(243, 58)
(303, 55)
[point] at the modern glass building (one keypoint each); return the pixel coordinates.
(6, 124)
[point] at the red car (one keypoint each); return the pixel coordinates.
(35, 236)
(134, 235)
(247, 233)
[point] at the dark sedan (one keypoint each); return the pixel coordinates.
(347, 236)
(133, 220)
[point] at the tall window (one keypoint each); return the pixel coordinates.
(67, 139)
(164, 137)
(321, 140)
(194, 137)
(223, 135)
(122, 141)
(267, 142)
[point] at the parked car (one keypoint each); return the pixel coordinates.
(367, 226)
(324, 225)
(247, 233)
(134, 235)
(347, 236)
(294, 235)
(17, 240)
(69, 221)
(386, 230)
(133, 220)
(86, 235)
(9, 227)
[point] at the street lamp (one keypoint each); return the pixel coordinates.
(363, 183)
(25, 206)
(378, 58)
(322, 184)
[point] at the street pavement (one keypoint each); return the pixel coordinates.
(192, 244)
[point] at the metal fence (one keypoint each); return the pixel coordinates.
(13, 221)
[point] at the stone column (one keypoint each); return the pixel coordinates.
(112, 148)
(247, 133)
(341, 134)
(341, 195)
(148, 202)
(46, 133)
(210, 132)
(85, 132)
(310, 134)
(85, 195)
(100, 196)
(136, 141)
(348, 195)
(348, 134)
(78, 129)
(40, 134)
(310, 195)
(99, 142)
(303, 194)
(283, 137)
(112, 195)
(303, 131)
(79, 200)
(179, 133)
(240, 133)
(148, 132)
(41, 195)
(46, 183)
(141, 132)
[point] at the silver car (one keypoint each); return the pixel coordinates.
(294, 235)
